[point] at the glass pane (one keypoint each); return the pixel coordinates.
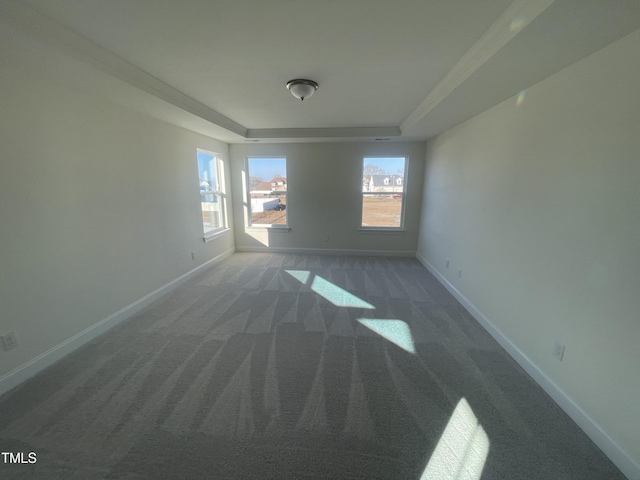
(383, 186)
(212, 214)
(268, 190)
(382, 210)
(207, 170)
(210, 199)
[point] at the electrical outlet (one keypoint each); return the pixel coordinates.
(447, 263)
(9, 341)
(459, 273)
(193, 255)
(558, 350)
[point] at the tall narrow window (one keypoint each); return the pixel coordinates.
(212, 194)
(267, 186)
(383, 192)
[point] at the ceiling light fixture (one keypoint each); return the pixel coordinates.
(301, 88)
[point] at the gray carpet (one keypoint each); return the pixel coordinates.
(295, 367)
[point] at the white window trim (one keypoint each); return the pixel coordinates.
(215, 234)
(255, 227)
(261, 227)
(220, 193)
(384, 230)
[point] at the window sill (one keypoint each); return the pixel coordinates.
(271, 228)
(381, 230)
(215, 234)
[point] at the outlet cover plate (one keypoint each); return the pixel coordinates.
(558, 350)
(9, 341)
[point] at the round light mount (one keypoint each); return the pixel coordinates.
(301, 88)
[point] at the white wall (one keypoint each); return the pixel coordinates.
(99, 206)
(538, 202)
(324, 191)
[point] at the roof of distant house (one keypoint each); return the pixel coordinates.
(262, 186)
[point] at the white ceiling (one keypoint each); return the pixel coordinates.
(402, 69)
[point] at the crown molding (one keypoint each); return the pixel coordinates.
(347, 132)
(50, 32)
(513, 20)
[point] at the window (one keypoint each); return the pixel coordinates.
(383, 192)
(212, 195)
(267, 186)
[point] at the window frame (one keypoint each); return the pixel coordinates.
(382, 229)
(219, 193)
(249, 220)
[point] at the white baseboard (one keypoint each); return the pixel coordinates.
(609, 446)
(328, 251)
(42, 361)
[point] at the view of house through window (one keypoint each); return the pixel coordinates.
(383, 192)
(267, 179)
(212, 196)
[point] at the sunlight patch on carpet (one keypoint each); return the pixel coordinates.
(336, 295)
(462, 450)
(301, 275)
(396, 331)
(329, 291)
